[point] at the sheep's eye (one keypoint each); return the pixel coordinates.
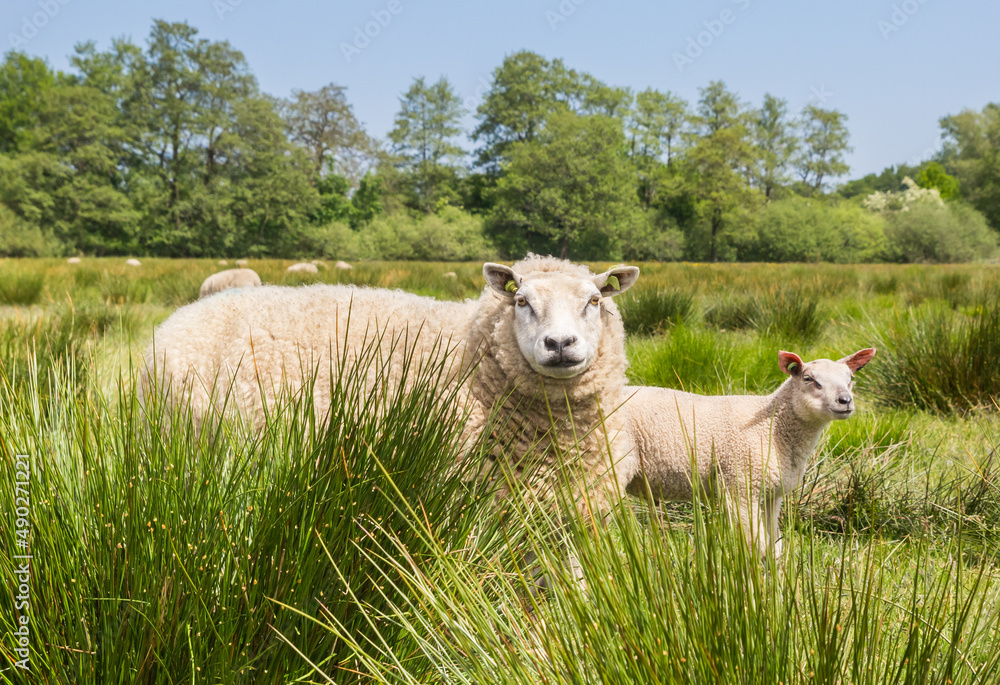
(595, 299)
(521, 300)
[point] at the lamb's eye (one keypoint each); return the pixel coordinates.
(809, 379)
(521, 300)
(595, 299)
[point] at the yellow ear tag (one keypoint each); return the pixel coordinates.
(511, 287)
(613, 282)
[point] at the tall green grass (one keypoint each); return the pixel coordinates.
(665, 606)
(165, 556)
(352, 552)
(941, 360)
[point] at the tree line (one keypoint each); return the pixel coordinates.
(171, 149)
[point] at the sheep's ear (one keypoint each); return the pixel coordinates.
(501, 278)
(858, 359)
(616, 280)
(790, 363)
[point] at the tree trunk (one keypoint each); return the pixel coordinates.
(564, 247)
(716, 225)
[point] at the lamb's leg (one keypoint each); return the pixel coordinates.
(772, 511)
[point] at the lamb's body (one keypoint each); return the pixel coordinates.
(277, 338)
(751, 449)
(230, 278)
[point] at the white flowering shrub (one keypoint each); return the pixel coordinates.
(889, 201)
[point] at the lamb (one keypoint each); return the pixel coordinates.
(230, 278)
(543, 332)
(132, 261)
(755, 447)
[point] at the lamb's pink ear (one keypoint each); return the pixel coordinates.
(789, 363)
(858, 359)
(501, 278)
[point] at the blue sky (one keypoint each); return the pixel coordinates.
(893, 66)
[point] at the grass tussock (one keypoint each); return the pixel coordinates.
(941, 360)
(647, 311)
(786, 314)
(19, 287)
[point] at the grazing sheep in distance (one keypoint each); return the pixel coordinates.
(449, 274)
(543, 332)
(73, 260)
(131, 261)
(230, 278)
(754, 448)
(304, 267)
(242, 262)
(343, 265)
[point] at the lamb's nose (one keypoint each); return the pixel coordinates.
(845, 398)
(559, 344)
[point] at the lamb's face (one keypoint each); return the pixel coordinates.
(557, 317)
(824, 389)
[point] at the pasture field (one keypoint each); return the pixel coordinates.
(351, 553)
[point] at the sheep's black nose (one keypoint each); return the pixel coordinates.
(844, 398)
(559, 344)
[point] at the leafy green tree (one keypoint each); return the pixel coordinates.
(972, 153)
(323, 122)
(775, 141)
(367, 200)
(526, 89)
(23, 83)
(68, 180)
(424, 140)
(654, 127)
(566, 192)
(933, 175)
(717, 158)
(657, 122)
(825, 140)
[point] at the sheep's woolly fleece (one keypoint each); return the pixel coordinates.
(277, 337)
(230, 278)
(577, 417)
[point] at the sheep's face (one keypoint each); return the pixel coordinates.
(824, 389)
(557, 317)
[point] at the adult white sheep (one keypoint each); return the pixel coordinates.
(230, 278)
(754, 448)
(544, 332)
(304, 267)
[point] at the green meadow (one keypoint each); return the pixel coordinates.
(351, 552)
